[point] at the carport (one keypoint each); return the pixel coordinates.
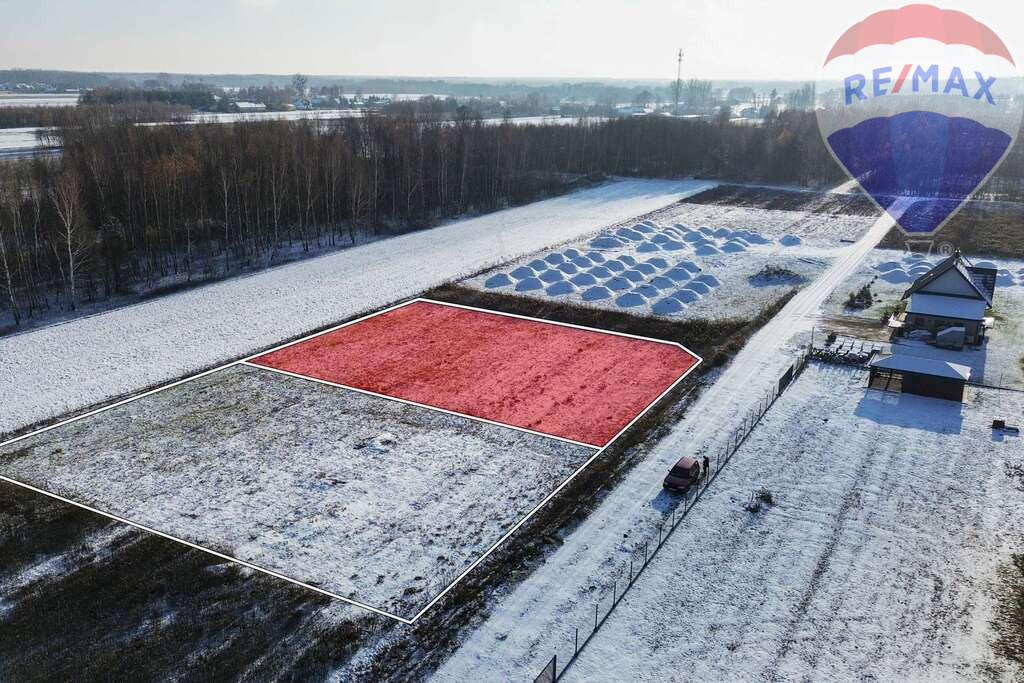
(922, 376)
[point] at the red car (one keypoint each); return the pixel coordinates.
(683, 474)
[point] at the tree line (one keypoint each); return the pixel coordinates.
(133, 112)
(131, 207)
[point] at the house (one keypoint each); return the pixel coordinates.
(921, 376)
(949, 302)
(248, 107)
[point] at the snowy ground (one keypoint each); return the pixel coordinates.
(372, 499)
(693, 261)
(54, 370)
(877, 561)
(539, 617)
(890, 272)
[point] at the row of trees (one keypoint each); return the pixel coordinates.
(128, 205)
(132, 112)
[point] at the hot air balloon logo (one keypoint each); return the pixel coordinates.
(920, 105)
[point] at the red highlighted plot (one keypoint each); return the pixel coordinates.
(573, 383)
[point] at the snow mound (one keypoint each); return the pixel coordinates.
(645, 268)
(554, 258)
(693, 236)
(658, 262)
(606, 242)
(568, 268)
(629, 234)
(887, 266)
(1005, 280)
(673, 245)
(790, 240)
(630, 300)
(985, 264)
(662, 282)
(698, 287)
(552, 276)
(634, 276)
(615, 265)
(723, 233)
(708, 279)
(659, 238)
(499, 280)
(689, 265)
(678, 274)
(707, 250)
(618, 284)
(582, 262)
(583, 279)
(629, 260)
(647, 247)
(648, 291)
(529, 284)
(597, 293)
(733, 247)
(644, 228)
(572, 254)
(686, 296)
(595, 256)
(537, 265)
(600, 271)
(707, 231)
(896, 277)
(667, 306)
(560, 288)
(522, 272)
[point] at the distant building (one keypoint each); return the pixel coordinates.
(248, 107)
(921, 376)
(950, 302)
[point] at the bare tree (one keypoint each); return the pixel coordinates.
(69, 233)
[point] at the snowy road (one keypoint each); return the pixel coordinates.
(526, 628)
(50, 371)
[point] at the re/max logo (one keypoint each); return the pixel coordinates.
(922, 76)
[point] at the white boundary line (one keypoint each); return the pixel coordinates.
(204, 549)
(246, 361)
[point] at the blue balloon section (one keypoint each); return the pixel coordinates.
(939, 159)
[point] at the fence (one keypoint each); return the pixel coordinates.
(644, 552)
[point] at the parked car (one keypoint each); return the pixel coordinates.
(683, 474)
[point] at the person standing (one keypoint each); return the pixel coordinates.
(706, 464)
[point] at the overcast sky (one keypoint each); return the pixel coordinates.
(522, 38)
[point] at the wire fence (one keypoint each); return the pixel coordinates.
(610, 595)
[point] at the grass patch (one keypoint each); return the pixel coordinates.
(855, 204)
(1009, 618)
(984, 228)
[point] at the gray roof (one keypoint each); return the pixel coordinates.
(955, 262)
(922, 366)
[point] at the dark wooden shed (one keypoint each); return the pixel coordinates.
(922, 376)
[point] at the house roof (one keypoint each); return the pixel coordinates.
(947, 306)
(955, 262)
(922, 366)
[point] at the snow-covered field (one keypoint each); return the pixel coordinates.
(50, 371)
(877, 561)
(378, 501)
(693, 261)
(890, 272)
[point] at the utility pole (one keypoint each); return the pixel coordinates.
(679, 80)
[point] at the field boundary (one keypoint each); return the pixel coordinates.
(598, 451)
